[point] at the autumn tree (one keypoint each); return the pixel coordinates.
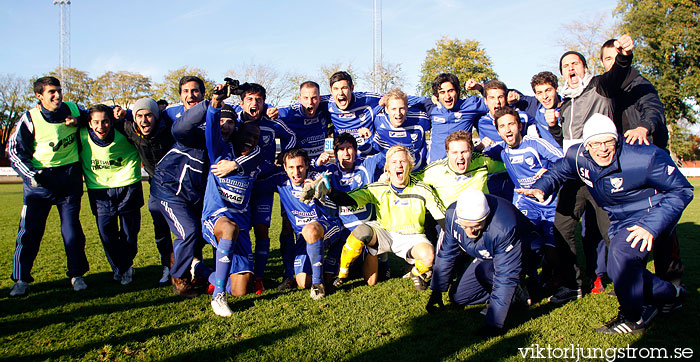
(77, 85)
(464, 58)
(122, 87)
(169, 89)
(16, 96)
(387, 77)
(667, 52)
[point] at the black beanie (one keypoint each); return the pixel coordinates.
(580, 56)
(227, 111)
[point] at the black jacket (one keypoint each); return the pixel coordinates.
(638, 104)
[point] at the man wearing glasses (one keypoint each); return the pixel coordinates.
(644, 195)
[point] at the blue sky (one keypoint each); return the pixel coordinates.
(152, 37)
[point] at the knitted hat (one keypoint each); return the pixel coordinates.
(598, 125)
(583, 59)
(146, 103)
(472, 206)
(227, 111)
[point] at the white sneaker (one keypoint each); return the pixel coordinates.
(78, 283)
(165, 279)
(194, 263)
(128, 277)
(220, 306)
(20, 289)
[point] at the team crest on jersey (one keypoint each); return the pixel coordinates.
(309, 121)
(670, 170)
(397, 133)
(616, 183)
(530, 161)
(399, 202)
(266, 139)
(462, 178)
(516, 159)
(485, 254)
(439, 119)
(458, 115)
(414, 137)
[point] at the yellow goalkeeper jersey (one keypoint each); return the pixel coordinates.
(449, 184)
(402, 212)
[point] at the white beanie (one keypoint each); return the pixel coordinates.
(146, 103)
(472, 206)
(598, 125)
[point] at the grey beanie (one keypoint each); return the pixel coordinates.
(146, 103)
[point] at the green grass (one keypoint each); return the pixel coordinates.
(110, 322)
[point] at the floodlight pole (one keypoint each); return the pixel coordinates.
(377, 53)
(64, 32)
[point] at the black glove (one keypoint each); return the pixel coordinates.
(39, 179)
(435, 302)
(487, 331)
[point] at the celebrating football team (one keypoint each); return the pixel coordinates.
(479, 197)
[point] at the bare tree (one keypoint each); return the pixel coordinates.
(15, 97)
(328, 70)
(389, 75)
(279, 87)
(586, 37)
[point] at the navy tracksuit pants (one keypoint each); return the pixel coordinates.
(164, 242)
(635, 286)
(185, 223)
(31, 230)
(118, 215)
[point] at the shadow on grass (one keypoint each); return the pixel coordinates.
(440, 336)
(78, 352)
(57, 293)
(230, 350)
(78, 314)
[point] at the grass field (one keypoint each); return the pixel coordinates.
(387, 322)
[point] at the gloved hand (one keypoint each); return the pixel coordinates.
(435, 302)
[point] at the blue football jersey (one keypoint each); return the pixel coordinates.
(310, 132)
(410, 134)
(443, 122)
(298, 213)
(524, 161)
(365, 171)
(360, 114)
(231, 193)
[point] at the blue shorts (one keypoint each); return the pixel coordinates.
(540, 215)
(332, 240)
(242, 258)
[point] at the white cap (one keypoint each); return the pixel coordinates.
(598, 125)
(472, 206)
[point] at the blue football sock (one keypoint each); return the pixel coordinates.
(315, 251)
(262, 249)
(223, 265)
(288, 253)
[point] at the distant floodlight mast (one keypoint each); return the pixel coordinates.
(376, 67)
(64, 31)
